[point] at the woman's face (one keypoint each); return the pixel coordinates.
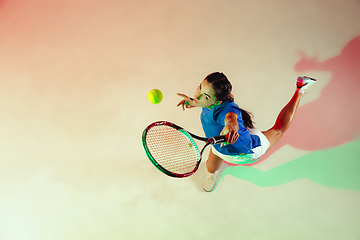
(205, 94)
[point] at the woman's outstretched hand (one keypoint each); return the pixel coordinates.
(187, 102)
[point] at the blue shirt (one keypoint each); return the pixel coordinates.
(213, 123)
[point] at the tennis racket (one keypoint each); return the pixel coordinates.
(173, 150)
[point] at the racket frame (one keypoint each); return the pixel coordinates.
(208, 141)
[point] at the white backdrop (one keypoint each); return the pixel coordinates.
(74, 78)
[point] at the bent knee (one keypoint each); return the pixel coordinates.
(277, 132)
(273, 135)
(273, 132)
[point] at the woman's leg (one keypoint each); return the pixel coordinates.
(287, 114)
(213, 163)
(283, 120)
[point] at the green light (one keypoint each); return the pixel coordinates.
(336, 168)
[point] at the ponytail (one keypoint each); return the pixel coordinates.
(246, 116)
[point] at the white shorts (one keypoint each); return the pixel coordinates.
(247, 158)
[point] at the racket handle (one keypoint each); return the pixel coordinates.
(217, 140)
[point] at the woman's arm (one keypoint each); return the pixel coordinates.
(231, 128)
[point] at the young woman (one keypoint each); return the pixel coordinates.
(221, 116)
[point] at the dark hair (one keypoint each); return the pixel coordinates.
(223, 88)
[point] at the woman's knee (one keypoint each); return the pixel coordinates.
(273, 135)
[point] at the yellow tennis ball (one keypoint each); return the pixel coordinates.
(155, 96)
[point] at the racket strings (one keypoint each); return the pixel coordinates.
(172, 149)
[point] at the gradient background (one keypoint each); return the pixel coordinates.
(74, 78)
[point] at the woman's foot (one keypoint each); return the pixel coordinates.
(209, 181)
(303, 83)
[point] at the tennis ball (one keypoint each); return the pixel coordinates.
(155, 96)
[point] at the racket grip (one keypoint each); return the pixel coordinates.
(217, 140)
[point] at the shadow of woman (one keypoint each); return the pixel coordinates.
(332, 119)
(336, 168)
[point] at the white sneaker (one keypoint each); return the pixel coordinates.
(303, 83)
(209, 181)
